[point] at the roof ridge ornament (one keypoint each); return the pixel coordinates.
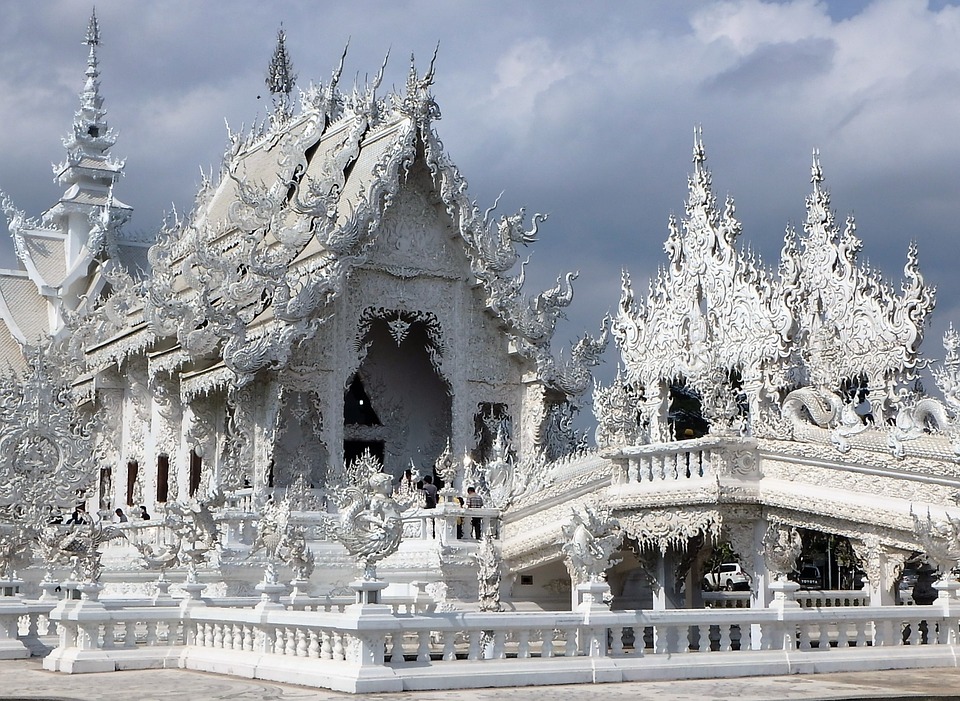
(281, 78)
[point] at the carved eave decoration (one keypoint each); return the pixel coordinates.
(662, 529)
(298, 207)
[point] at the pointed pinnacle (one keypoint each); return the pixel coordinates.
(93, 30)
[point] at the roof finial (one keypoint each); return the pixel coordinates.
(280, 76)
(93, 30)
(699, 155)
(816, 172)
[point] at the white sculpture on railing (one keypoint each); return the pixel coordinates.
(283, 540)
(14, 549)
(79, 546)
(196, 529)
(370, 520)
(939, 539)
(781, 548)
(589, 540)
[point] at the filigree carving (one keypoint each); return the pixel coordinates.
(781, 548)
(370, 523)
(589, 540)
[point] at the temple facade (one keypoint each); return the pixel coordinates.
(336, 321)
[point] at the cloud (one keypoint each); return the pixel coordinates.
(776, 66)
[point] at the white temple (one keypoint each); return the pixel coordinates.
(275, 374)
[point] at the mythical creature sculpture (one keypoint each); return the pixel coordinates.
(162, 560)
(283, 540)
(914, 419)
(196, 527)
(821, 406)
(503, 478)
(781, 548)
(939, 539)
(370, 522)
(589, 540)
(78, 546)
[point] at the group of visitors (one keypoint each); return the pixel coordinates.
(472, 501)
(80, 516)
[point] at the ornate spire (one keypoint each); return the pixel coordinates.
(280, 76)
(90, 136)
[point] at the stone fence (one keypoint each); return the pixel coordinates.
(372, 648)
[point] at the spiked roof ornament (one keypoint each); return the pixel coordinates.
(280, 78)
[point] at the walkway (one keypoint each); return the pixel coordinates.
(25, 679)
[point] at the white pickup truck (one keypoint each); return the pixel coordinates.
(727, 576)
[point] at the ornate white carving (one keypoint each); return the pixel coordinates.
(781, 548)
(590, 538)
(370, 521)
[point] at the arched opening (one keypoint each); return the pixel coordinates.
(396, 404)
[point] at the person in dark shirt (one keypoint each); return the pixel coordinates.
(475, 501)
(429, 493)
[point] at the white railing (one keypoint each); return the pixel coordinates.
(371, 648)
(657, 463)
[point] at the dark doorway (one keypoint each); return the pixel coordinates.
(132, 469)
(163, 478)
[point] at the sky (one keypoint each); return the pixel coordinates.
(585, 111)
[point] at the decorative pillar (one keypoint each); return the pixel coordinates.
(883, 565)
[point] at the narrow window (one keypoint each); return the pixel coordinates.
(196, 465)
(163, 477)
(132, 469)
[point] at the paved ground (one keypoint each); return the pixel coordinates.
(25, 679)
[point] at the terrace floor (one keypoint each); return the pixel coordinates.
(25, 679)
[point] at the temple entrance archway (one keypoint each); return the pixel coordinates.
(397, 404)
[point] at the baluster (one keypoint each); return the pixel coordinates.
(861, 630)
(249, 638)
(499, 645)
(151, 633)
(660, 639)
(473, 652)
(633, 471)
(824, 642)
(746, 633)
(703, 644)
(646, 468)
(301, 642)
(108, 635)
(218, 635)
(130, 634)
(238, 636)
(396, 646)
(570, 649)
(725, 644)
(546, 647)
(804, 634)
(326, 647)
(338, 651)
(423, 647)
(616, 641)
(523, 644)
(842, 635)
(449, 645)
(33, 625)
(290, 640)
(227, 636)
(915, 633)
(313, 647)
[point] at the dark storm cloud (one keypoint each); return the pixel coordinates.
(582, 110)
(772, 66)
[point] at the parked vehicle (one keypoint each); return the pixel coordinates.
(809, 577)
(729, 576)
